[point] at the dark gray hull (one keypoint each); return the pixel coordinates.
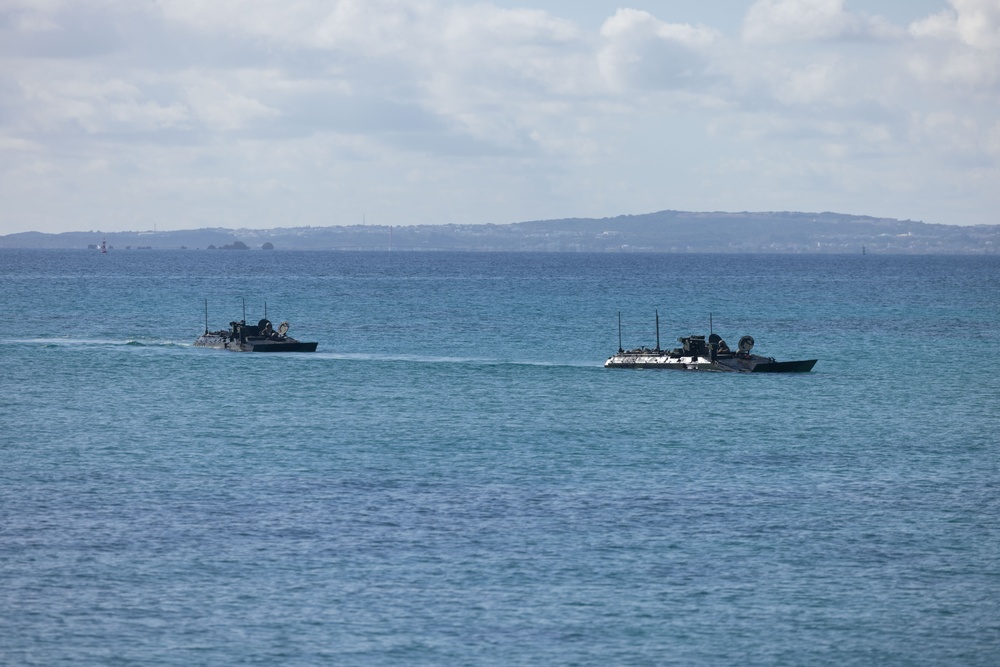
(785, 366)
(250, 345)
(282, 347)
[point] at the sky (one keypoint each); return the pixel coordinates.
(120, 115)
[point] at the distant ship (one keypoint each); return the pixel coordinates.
(243, 337)
(697, 354)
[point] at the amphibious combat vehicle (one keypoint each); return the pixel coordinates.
(243, 337)
(697, 354)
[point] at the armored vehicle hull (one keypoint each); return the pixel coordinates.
(751, 363)
(223, 341)
(243, 337)
(697, 354)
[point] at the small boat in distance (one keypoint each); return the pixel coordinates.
(243, 337)
(697, 354)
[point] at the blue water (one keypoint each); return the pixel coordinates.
(454, 479)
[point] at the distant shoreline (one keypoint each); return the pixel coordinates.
(661, 232)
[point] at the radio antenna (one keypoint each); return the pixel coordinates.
(206, 316)
(244, 309)
(620, 348)
(710, 331)
(657, 330)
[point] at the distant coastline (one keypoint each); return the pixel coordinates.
(660, 232)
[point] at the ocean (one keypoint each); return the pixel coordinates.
(454, 479)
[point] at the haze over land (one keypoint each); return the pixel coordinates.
(119, 115)
(665, 231)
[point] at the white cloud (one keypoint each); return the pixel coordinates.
(489, 73)
(949, 133)
(975, 23)
(367, 28)
(959, 46)
(640, 50)
(87, 101)
(770, 21)
(220, 105)
(30, 17)
(84, 98)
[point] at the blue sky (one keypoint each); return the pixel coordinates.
(117, 115)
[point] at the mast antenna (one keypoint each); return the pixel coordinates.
(620, 349)
(657, 330)
(710, 331)
(244, 309)
(206, 316)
